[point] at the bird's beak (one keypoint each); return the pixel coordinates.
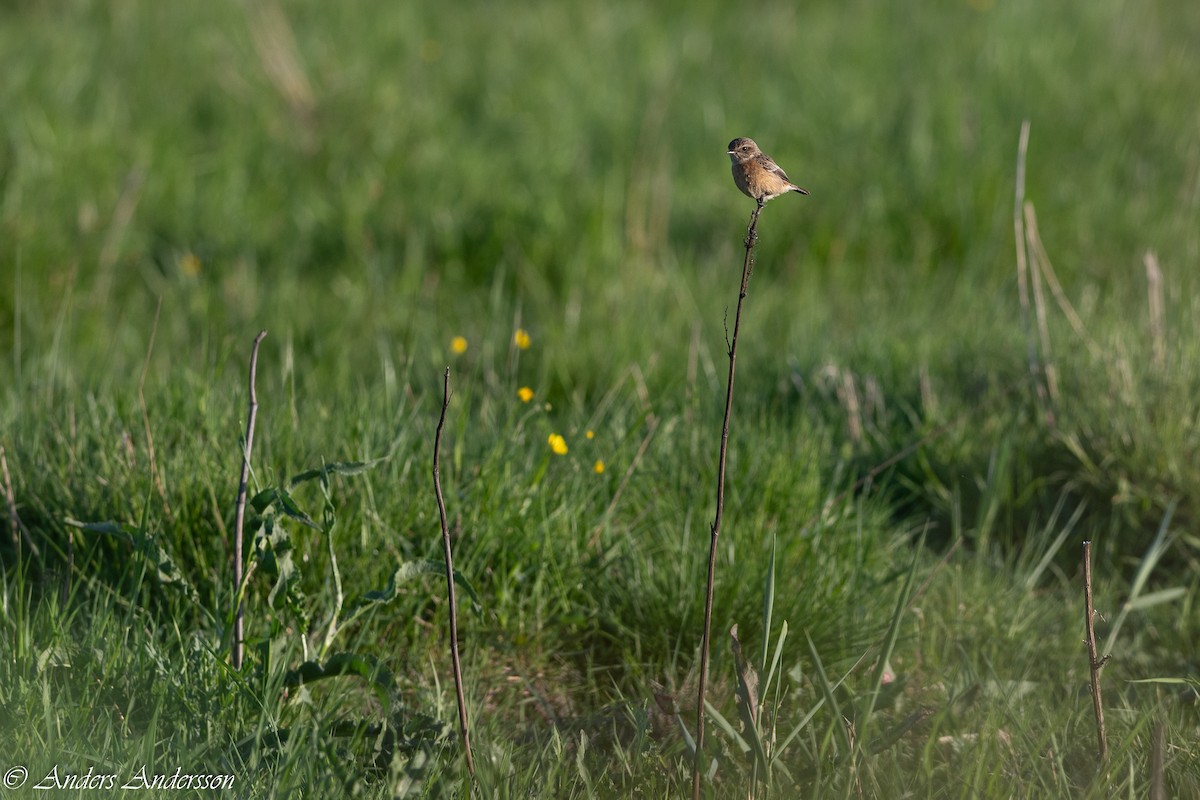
(728, 152)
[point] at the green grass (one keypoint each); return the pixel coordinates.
(403, 177)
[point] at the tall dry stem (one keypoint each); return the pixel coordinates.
(1024, 278)
(448, 554)
(1044, 266)
(240, 516)
(1094, 661)
(747, 268)
(1154, 292)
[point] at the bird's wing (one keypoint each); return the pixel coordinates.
(775, 168)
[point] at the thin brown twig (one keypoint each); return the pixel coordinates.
(240, 516)
(1158, 746)
(747, 269)
(447, 552)
(1094, 661)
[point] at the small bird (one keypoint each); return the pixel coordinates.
(756, 174)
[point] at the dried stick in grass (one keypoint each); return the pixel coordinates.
(747, 268)
(1154, 292)
(1094, 661)
(240, 516)
(1046, 269)
(1158, 746)
(1049, 372)
(449, 556)
(1023, 277)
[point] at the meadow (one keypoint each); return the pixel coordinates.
(961, 358)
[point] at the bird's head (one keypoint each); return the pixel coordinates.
(742, 150)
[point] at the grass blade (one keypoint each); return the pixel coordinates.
(1151, 558)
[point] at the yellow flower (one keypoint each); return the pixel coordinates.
(189, 264)
(558, 444)
(525, 393)
(598, 468)
(590, 434)
(521, 339)
(458, 345)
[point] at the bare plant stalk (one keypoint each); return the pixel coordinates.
(1042, 259)
(1158, 746)
(240, 516)
(1035, 369)
(848, 394)
(1095, 662)
(1019, 237)
(1049, 373)
(1154, 291)
(747, 268)
(449, 556)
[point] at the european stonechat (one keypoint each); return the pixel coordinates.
(756, 174)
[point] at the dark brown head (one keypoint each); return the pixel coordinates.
(742, 150)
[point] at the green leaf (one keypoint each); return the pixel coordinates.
(1194, 683)
(111, 528)
(274, 550)
(263, 500)
(407, 571)
(889, 639)
(287, 504)
(274, 499)
(339, 468)
(725, 725)
(768, 605)
(1157, 598)
(773, 669)
(1149, 561)
(1031, 580)
(747, 696)
(827, 691)
(145, 544)
(410, 570)
(342, 664)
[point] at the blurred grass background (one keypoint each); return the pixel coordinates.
(366, 181)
